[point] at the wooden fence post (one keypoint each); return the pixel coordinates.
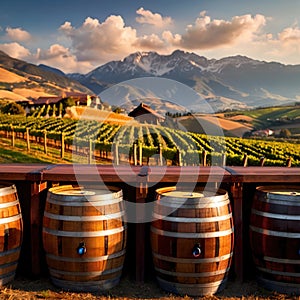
(90, 157)
(135, 154)
(62, 146)
(262, 161)
(204, 157)
(160, 163)
(289, 162)
(116, 153)
(28, 139)
(179, 158)
(223, 159)
(45, 142)
(12, 136)
(141, 154)
(245, 160)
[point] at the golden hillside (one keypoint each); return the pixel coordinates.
(88, 113)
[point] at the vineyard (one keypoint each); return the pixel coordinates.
(147, 141)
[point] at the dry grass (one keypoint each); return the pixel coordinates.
(129, 289)
(89, 113)
(10, 77)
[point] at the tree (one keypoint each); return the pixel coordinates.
(117, 110)
(284, 133)
(13, 108)
(68, 102)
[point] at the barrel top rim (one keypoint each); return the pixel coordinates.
(83, 191)
(280, 190)
(195, 193)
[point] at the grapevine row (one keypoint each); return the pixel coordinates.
(190, 145)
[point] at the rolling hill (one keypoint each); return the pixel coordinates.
(20, 80)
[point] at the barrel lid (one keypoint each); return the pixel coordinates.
(182, 194)
(7, 188)
(81, 193)
(4, 184)
(285, 193)
(281, 193)
(70, 192)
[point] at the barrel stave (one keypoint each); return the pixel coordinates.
(203, 221)
(275, 237)
(93, 219)
(11, 229)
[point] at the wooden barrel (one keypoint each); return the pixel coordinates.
(11, 232)
(84, 237)
(275, 237)
(192, 240)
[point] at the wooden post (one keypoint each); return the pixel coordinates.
(160, 162)
(141, 153)
(204, 157)
(135, 154)
(90, 157)
(12, 137)
(223, 159)
(245, 160)
(262, 161)
(62, 145)
(237, 195)
(140, 250)
(179, 158)
(28, 139)
(116, 153)
(36, 221)
(45, 142)
(289, 162)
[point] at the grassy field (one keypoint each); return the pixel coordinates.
(271, 116)
(19, 154)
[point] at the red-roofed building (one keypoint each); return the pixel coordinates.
(145, 114)
(46, 100)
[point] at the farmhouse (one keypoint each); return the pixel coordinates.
(263, 133)
(79, 98)
(145, 114)
(45, 100)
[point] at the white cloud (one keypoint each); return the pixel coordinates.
(290, 35)
(17, 34)
(95, 42)
(60, 57)
(206, 33)
(151, 43)
(15, 50)
(99, 42)
(155, 19)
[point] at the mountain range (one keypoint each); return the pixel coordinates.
(186, 79)
(230, 83)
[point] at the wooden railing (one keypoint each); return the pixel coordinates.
(34, 180)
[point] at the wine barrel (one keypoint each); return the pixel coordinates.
(11, 232)
(192, 240)
(275, 237)
(84, 237)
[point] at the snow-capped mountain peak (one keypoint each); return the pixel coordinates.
(245, 81)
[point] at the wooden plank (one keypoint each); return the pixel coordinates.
(36, 225)
(237, 194)
(266, 174)
(188, 174)
(141, 194)
(19, 171)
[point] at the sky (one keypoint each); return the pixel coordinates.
(80, 35)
